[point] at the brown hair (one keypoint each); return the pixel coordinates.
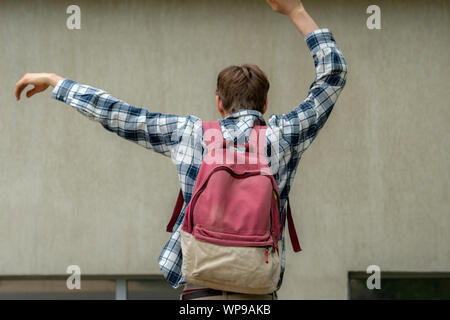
(242, 87)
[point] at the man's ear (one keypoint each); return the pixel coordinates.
(220, 106)
(265, 106)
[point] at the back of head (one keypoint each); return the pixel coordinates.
(242, 87)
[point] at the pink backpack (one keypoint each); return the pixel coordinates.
(231, 229)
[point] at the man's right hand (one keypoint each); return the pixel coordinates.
(287, 7)
(296, 12)
(40, 81)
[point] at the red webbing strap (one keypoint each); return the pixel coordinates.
(291, 227)
(176, 212)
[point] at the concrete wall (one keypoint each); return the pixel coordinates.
(372, 189)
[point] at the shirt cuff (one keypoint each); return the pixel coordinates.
(320, 39)
(61, 90)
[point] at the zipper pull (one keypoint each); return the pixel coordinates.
(266, 255)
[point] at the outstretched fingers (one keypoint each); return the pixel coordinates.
(20, 85)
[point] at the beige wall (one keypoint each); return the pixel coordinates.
(372, 189)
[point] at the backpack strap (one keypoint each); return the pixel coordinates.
(176, 212)
(291, 227)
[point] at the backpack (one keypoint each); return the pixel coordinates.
(231, 229)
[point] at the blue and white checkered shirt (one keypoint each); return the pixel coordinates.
(181, 138)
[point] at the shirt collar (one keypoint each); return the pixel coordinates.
(247, 113)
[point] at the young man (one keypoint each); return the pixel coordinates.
(241, 99)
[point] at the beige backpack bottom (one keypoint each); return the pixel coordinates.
(228, 268)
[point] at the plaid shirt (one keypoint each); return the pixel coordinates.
(181, 138)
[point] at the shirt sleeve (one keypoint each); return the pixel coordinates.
(152, 130)
(299, 127)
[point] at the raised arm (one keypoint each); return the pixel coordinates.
(299, 127)
(152, 130)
